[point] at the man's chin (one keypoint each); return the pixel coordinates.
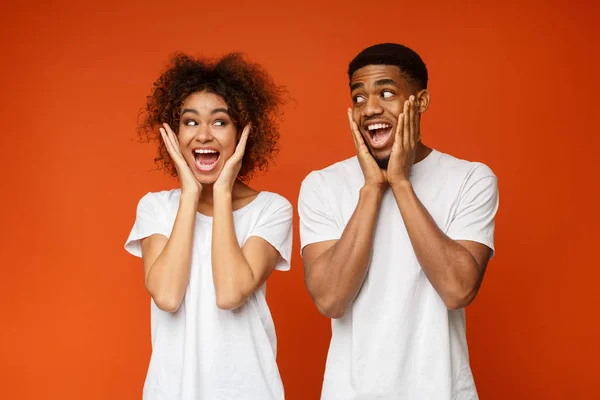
(382, 162)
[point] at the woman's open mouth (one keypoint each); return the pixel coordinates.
(206, 159)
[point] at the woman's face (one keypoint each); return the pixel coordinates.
(207, 136)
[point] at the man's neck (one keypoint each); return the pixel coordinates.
(422, 152)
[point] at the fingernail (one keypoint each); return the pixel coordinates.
(412, 98)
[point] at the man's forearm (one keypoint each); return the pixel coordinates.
(336, 276)
(449, 266)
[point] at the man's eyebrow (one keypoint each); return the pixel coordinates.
(379, 82)
(387, 81)
(356, 85)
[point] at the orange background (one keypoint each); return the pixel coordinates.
(513, 86)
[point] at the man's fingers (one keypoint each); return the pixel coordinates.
(362, 147)
(406, 123)
(413, 124)
(354, 130)
(417, 126)
(399, 132)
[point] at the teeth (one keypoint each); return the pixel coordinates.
(372, 127)
(204, 151)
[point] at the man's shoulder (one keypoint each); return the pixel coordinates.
(462, 168)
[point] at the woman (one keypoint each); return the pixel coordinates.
(209, 247)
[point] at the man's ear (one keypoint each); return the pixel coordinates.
(423, 100)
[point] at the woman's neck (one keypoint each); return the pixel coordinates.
(240, 192)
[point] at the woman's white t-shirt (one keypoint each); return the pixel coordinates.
(201, 351)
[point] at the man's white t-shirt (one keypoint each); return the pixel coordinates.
(201, 351)
(398, 340)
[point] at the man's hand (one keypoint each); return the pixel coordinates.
(374, 176)
(407, 136)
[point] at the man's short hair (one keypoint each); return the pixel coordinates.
(410, 63)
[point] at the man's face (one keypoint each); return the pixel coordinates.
(378, 95)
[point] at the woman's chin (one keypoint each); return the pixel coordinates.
(208, 178)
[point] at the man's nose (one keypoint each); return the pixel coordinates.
(373, 107)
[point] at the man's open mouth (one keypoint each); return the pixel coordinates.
(379, 133)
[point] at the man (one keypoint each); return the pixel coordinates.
(395, 242)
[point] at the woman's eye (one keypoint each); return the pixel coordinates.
(220, 123)
(386, 94)
(359, 99)
(190, 123)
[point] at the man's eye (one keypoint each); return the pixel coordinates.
(386, 94)
(190, 122)
(359, 99)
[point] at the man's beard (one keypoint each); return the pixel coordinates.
(381, 162)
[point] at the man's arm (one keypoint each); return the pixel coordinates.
(454, 268)
(334, 270)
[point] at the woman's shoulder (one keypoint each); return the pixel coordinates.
(273, 198)
(162, 199)
(269, 203)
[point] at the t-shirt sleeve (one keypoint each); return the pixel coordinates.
(275, 226)
(477, 207)
(150, 219)
(317, 221)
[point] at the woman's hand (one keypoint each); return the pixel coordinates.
(189, 183)
(232, 167)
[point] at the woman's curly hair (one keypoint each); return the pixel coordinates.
(250, 94)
